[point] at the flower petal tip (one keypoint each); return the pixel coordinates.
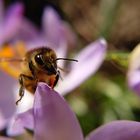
(43, 85)
(103, 41)
(50, 13)
(49, 9)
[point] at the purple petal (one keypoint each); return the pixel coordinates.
(57, 32)
(7, 102)
(54, 120)
(12, 22)
(20, 122)
(133, 75)
(52, 27)
(117, 130)
(89, 60)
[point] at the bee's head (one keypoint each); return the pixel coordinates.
(45, 60)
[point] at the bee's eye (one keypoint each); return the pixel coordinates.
(39, 59)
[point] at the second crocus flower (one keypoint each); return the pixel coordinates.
(133, 75)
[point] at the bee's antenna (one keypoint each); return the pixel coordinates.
(68, 59)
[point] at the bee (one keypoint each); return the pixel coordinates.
(37, 65)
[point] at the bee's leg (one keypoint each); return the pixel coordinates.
(22, 87)
(21, 81)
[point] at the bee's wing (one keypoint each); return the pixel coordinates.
(10, 59)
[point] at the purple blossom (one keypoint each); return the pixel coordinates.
(90, 58)
(133, 75)
(51, 118)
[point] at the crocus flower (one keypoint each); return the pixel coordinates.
(89, 58)
(51, 118)
(133, 75)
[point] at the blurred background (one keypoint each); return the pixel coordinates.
(105, 96)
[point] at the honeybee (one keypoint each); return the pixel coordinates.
(37, 65)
